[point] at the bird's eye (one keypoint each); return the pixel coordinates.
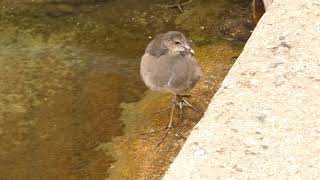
(177, 42)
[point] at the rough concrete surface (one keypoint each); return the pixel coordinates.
(267, 4)
(264, 122)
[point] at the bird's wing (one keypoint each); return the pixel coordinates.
(155, 47)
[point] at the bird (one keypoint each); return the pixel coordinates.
(168, 65)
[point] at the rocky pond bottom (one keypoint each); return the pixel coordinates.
(72, 105)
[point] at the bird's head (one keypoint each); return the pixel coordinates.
(176, 42)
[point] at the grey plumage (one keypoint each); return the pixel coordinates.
(168, 65)
(167, 68)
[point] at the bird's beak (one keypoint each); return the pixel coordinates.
(188, 48)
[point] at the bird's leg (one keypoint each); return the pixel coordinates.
(183, 102)
(179, 103)
(176, 99)
(181, 110)
(173, 106)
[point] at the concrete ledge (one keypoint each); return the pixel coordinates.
(267, 4)
(264, 122)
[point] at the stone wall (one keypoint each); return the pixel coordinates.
(264, 122)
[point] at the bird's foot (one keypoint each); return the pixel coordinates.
(186, 103)
(180, 102)
(170, 124)
(174, 102)
(167, 132)
(162, 110)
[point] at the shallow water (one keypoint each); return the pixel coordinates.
(57, 105)
(65, 70)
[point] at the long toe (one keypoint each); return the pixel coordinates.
(162, 110)
(167, 132)
(188, 104)
(154, 131)
(164, 136)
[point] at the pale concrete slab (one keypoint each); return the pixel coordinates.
(267, 4)
(264, 122)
